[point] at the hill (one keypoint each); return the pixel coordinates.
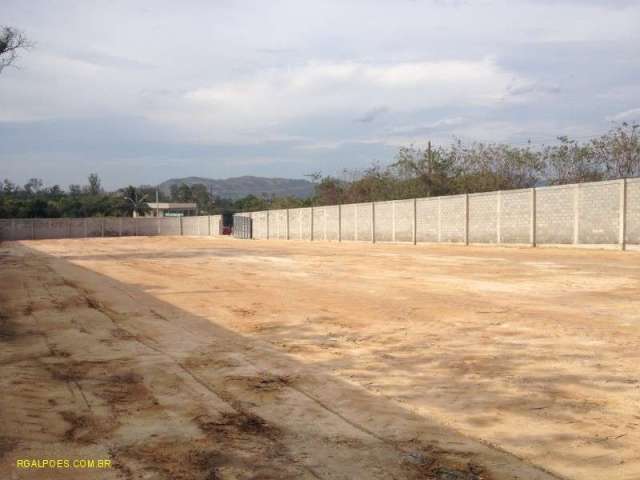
(238, 187)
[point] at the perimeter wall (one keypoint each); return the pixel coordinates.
(587, 214)
(42, 228)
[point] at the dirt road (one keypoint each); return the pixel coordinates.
(200, 358)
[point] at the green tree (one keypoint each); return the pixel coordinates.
(135, 201)
(95, 186)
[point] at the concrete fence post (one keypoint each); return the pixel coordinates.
(287, 211)
(466, 219)
(135, 226)
(180, 225)
(373, 222)
(440, 219)
(414, 231)
(102, 227)
(622, 222)
(355, 221)
(498, 214)
(33, 228)
(120, 227)
(324, 222)
(576, 214)
(393, 220)
(157, 225)
(532, 224)
(268, 236)
(12, 230)
(86, 228)
(311, 222)
(339, 222)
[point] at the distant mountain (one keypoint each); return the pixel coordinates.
(238, 187)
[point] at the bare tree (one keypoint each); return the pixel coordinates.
(619, 150)
(12, 41)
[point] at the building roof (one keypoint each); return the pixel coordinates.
(169, 205)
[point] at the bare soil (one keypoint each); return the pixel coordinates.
(202, 358)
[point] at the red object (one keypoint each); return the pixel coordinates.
(226, 230)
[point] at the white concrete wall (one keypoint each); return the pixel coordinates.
(597, 213)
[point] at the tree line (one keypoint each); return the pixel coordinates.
(415, 172)
(482, 167)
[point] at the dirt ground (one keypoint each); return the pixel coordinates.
(203, 358)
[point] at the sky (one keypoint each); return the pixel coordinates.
(141, 91)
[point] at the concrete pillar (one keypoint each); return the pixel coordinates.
(532, 224)
(300, 237)
(498, 214)
(414, 232)
(339, 222)
(576, 214)
(439, 219)
(287, 211)
(268, 224)
(466, 219)
(311, 221)
(86, 228)
(135, 226)
(33, 228)
(622, 221)
(373, 222)
(393, 220)
(355, 221)
(120, 227)
(180, 225)
(324, 221)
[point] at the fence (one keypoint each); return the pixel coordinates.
(603, 214)
(44, 228)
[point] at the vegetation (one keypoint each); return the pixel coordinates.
(11, 42)
(416, 172)
(480, 167)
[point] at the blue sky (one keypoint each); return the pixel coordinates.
(140, 91)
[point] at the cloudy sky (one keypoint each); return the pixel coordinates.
(140, 91)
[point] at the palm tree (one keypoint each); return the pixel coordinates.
(136, 203)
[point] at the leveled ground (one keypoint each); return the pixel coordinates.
(199, 358)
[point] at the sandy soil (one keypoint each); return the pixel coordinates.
(199, 358)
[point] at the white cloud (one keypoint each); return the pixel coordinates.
(632, 114)
(273, 96)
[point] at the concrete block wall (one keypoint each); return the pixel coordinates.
(516, 210)
(596, 213)
(200, 225)
(364, 225)
(428, 219)
(632, 218)
(403, 220)
(453, 219)
(51, 228)
(555, 214)
(348, 222)
(483, 217)
(384, 221)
